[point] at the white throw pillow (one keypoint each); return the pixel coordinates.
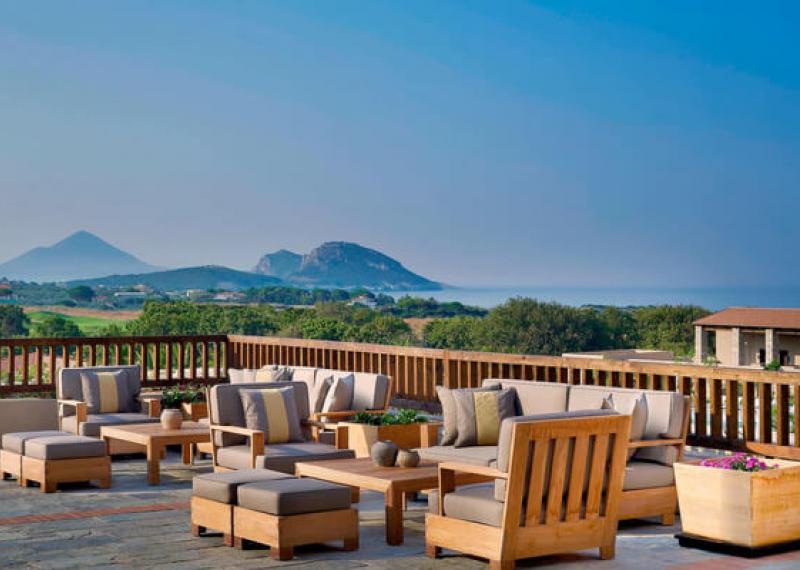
(340, 394)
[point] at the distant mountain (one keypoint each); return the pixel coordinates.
(345, 265)
(79, 256)
(205, 277)
(281, 264)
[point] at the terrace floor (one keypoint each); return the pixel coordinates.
(134, 525)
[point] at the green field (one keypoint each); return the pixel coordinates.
(90, 326)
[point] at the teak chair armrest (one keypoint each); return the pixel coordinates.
(655, 443)
(345, 414)
(81, 412)
(153, 406)
(256, 439)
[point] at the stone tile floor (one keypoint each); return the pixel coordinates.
(133, 525)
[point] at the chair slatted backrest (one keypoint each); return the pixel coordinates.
(566, 470)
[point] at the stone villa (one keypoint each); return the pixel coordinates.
(740, 336)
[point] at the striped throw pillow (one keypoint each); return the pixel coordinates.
(106, 392)
(480, 414)
(274, 412)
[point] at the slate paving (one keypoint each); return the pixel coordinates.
(95, 528)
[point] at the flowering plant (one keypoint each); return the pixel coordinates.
(738, 462)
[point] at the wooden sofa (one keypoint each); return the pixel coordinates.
(562, 490)
(234, 446)
(648, 485)
(73, 413)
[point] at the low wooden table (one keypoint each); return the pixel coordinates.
(393, 482)
(154, 439)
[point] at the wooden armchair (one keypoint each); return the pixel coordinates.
(559, 504)
(73, 412)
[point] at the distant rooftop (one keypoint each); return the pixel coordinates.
(753, 317)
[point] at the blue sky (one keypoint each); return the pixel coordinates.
(481, 143)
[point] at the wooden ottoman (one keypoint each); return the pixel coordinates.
(65, 459)
(215, 494)
(285, 513)
(14, 448)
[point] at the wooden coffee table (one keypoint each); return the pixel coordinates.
(393, 482)
(154, 439)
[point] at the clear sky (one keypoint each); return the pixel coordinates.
(481, 143)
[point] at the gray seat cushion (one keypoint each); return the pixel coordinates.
(65, 447)
(234, 457)
(94, 422)
(222, 487)
(282, 457)
(15, 442)
(293, 496)
(475, 503)
(647, 475)
(475, 455)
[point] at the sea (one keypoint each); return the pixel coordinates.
(712, 298)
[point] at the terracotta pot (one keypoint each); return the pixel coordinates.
(171, 419)
(384, 453)
(407, 458)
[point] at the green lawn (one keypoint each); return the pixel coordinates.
(90, 326)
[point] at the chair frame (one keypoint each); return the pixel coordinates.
(585, 524)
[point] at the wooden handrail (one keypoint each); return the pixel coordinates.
(731, 408)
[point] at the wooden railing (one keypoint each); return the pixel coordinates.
(732, 408)
(31, 364)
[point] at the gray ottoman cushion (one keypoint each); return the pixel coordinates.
(15, 442)
(65, 447)
(294, 496)
(221, 487)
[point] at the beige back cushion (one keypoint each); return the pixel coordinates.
(226, 406)
(535, 397)
(664, 414)
(69, 385)
(369, 391)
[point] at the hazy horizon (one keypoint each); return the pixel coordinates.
(513, 145)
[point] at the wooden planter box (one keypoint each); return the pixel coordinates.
(744, 509)
(360, 437)
(195, 410)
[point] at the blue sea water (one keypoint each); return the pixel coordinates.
(712, 298)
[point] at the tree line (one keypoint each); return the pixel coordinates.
(520, 325)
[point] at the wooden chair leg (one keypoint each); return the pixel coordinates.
(501, 564)
(239, 543)
(355, 494)
(432, 551)
(281, 552)
(227, 539)
(351, 544)
(608, 551)
(668, 519)
(197, 530)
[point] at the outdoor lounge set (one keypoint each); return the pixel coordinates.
(519, 469)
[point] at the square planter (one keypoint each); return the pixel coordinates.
(195, 410)
(360, 437)
(751, 510)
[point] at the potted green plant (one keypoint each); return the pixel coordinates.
(405, 428)
(194, 403)
(171, 402)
